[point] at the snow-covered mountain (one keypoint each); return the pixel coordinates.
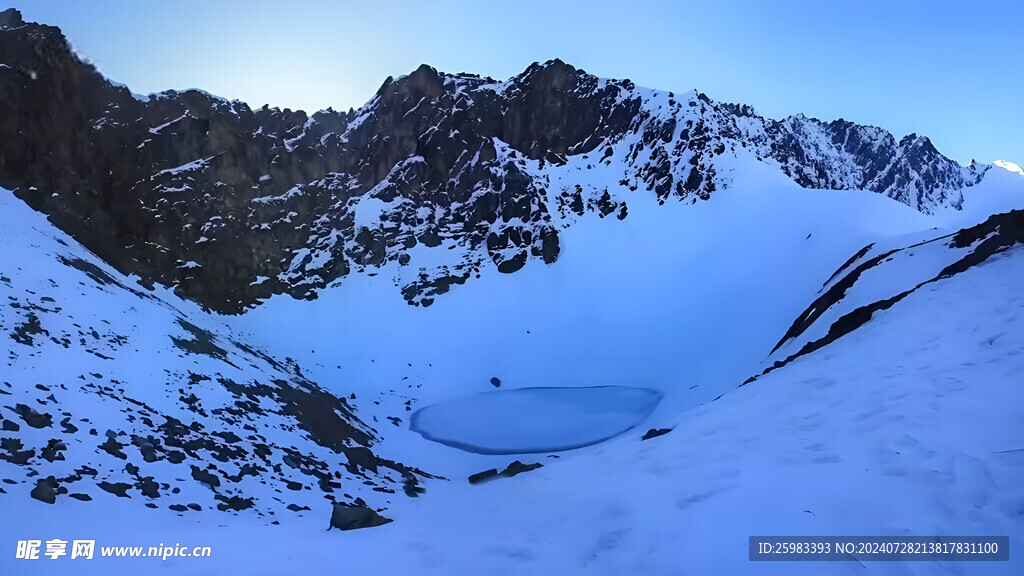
(230, 205)
(827, 319)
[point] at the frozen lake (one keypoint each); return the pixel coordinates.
(531, 420)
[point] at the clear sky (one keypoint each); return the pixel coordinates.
(952, 71)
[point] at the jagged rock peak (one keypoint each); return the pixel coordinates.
(11, 18)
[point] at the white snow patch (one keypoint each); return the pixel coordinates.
(1006, 165)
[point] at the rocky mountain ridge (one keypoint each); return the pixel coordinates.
(231, 205)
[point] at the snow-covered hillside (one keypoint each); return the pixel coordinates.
(113, 389)
(911, 423)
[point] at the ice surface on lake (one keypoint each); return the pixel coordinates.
(529, 420)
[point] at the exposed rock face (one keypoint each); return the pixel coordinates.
(911, 171)
(231, 204)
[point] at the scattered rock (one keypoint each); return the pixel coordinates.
(46, 490)
(484, 476)
(511, 470)
(148, 487)
(15, 455)
(117, 488)
(346, 517)
(205, 477)
(54, 450)
(360, 457)
(518, 467)
(655, 432)
(233, 503)
(32, 417)
(113, 447)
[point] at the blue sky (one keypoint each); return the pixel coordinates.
(948, 70)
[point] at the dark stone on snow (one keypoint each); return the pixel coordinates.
(117, 488)
(236, 503)
(113, 447)
(511, 470)
(205, 476)
(518, 467)
(484, 476)
(15, 455)
(354, 517)
(655, 432)
(46, 490)
(360, 457)
(32, 417)
(54, 450)
(148, 487)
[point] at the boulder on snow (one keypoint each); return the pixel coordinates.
(481, 477)
(46, 490)
(345, 517)
(511, 470)
(655, 432)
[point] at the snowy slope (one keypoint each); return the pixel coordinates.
(109, 388)
(910, 424)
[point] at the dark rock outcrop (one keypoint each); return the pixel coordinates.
(344, 517)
